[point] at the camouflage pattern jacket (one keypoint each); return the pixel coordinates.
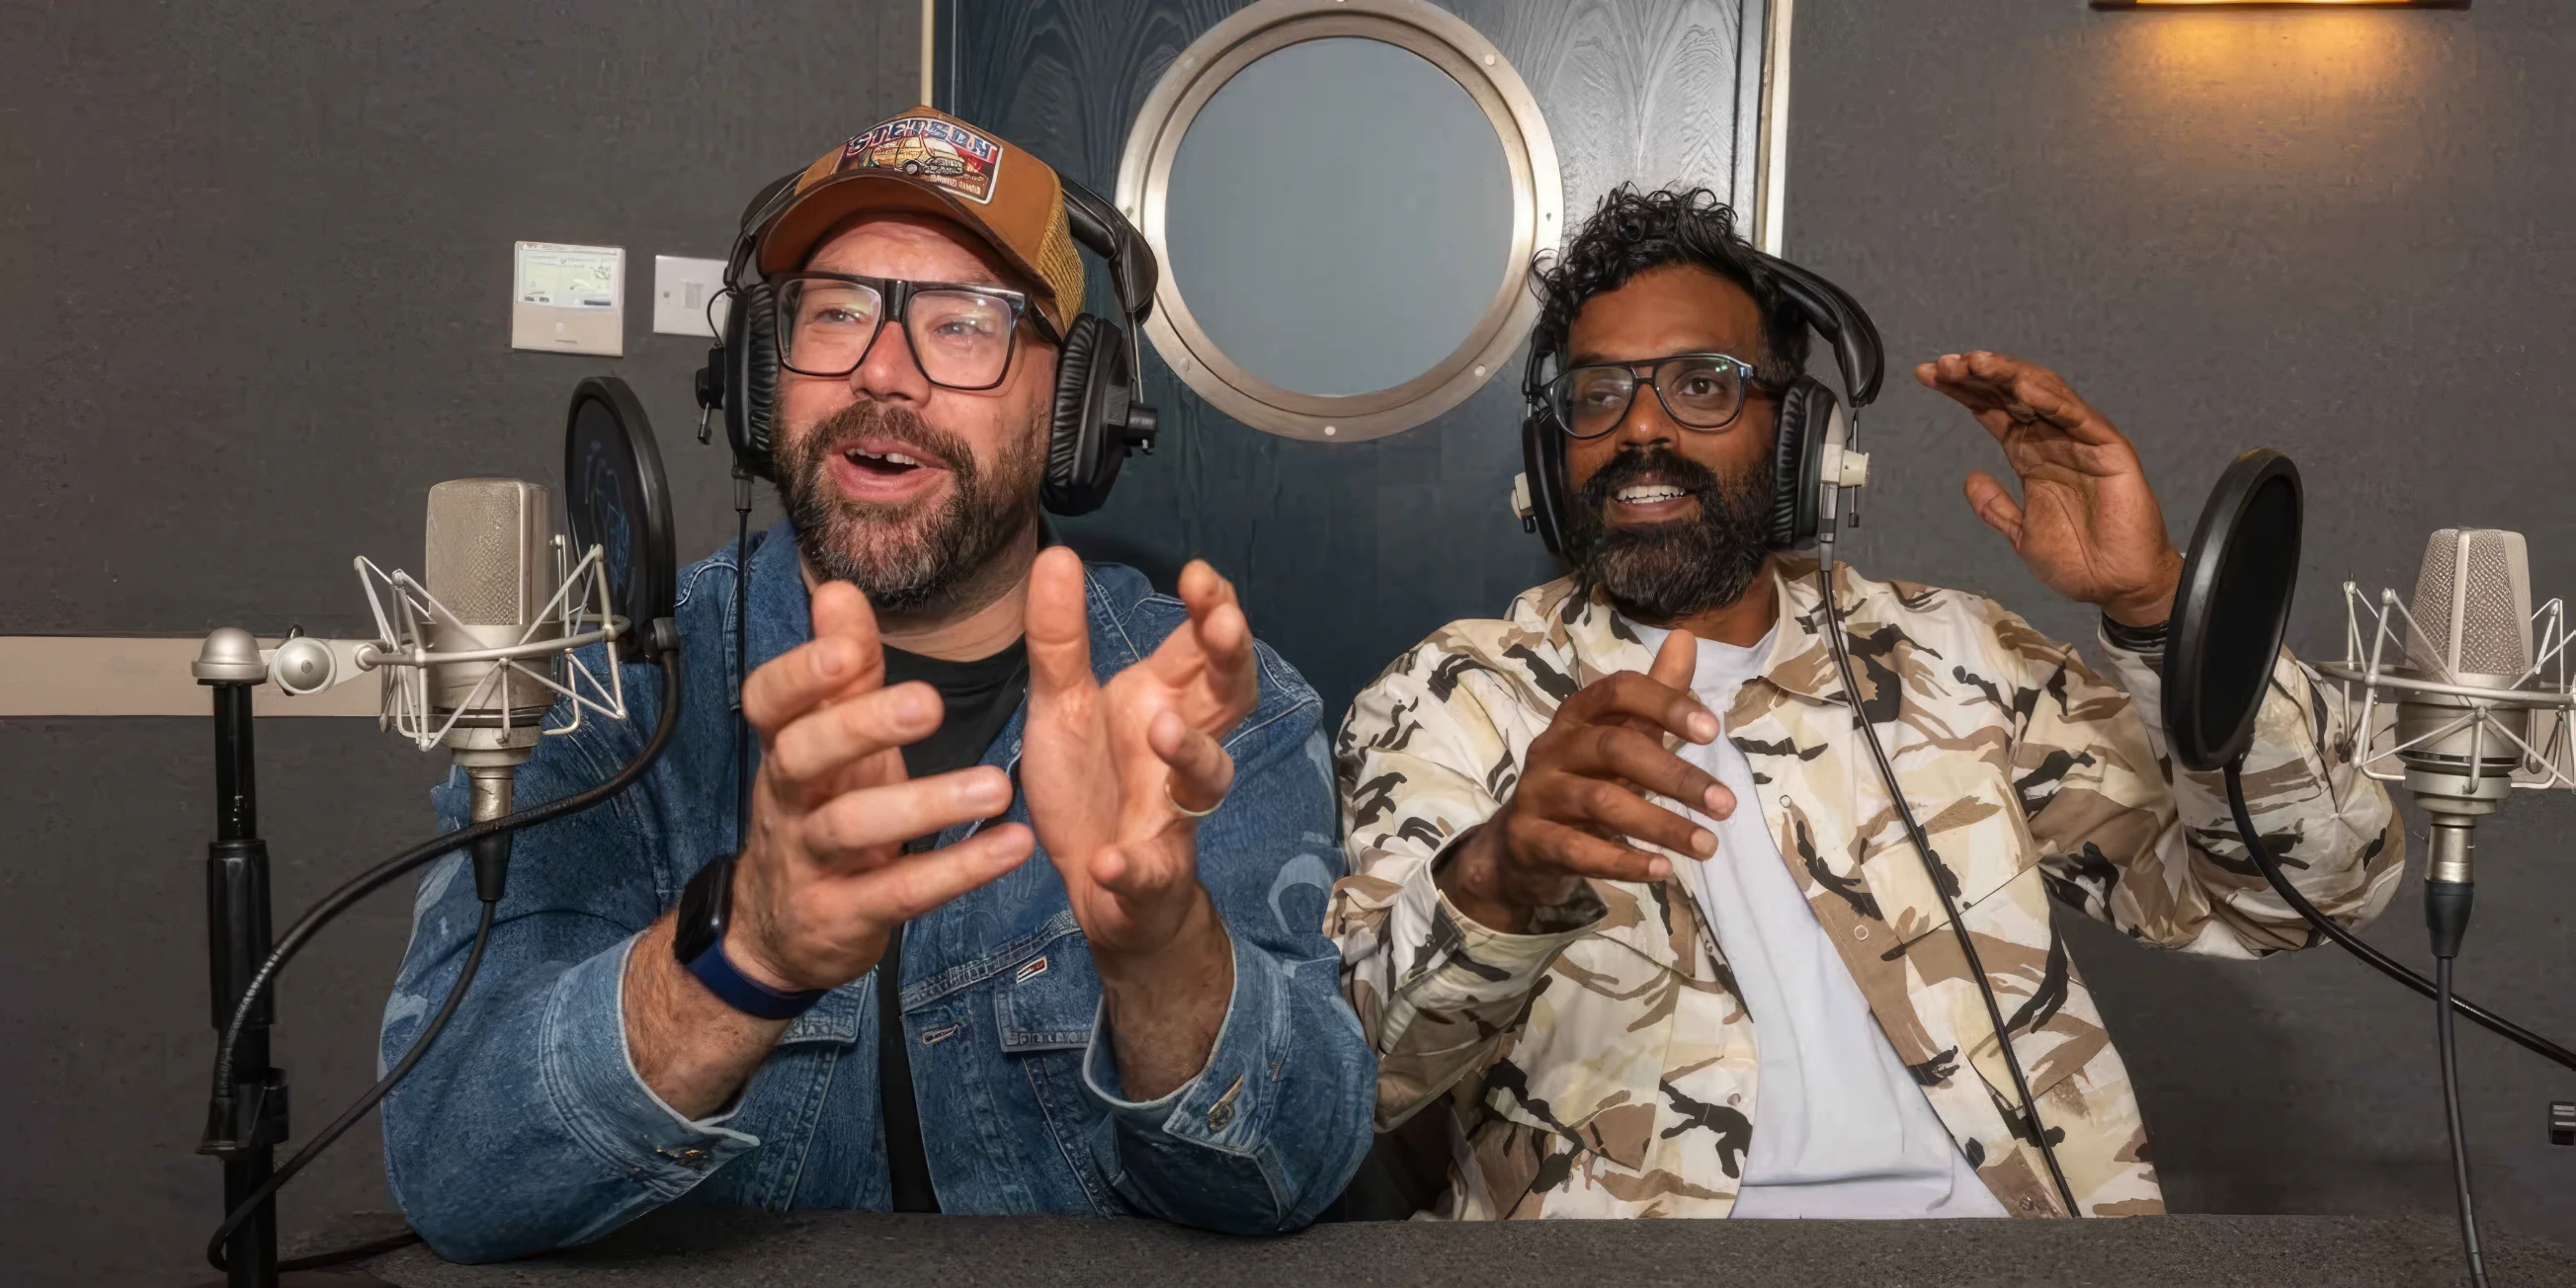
(1602, 1065)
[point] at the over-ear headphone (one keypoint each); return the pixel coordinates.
(1810, 453)
(1098, 415)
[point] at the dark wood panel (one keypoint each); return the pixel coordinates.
(1348, 553)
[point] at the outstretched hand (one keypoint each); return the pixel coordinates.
(1110, 769)
(2088, 524)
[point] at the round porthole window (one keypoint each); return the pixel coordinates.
(1345, 197)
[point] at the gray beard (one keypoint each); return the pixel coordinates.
(1662, 574)
(911, 556)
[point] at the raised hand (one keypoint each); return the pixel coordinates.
(1111, 769)
(822, 879)
(1114, 776)
(1579, 802)
(2088, 524)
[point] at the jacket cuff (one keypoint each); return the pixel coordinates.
(591, 1081)
(1464, 964)
(2139, 674)
(1227, 1104)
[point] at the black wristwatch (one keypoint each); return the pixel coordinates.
(706, 909)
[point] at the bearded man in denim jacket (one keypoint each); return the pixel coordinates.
(902, 1010)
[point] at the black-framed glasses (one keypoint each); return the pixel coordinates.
(962, 335)
(1698, 390)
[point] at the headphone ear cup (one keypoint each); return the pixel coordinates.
(751, 387)
(1083, 456)
(1797, 458)
(1543, 464)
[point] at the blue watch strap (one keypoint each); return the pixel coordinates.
(745, 994)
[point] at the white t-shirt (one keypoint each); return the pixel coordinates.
(1840, 1127)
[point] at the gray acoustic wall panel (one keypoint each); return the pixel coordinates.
(258, 257)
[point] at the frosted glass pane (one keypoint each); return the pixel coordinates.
(1338, 216)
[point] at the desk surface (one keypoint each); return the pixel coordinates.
(700, 1249)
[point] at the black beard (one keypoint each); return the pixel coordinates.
(1660, 574)
(903, 556)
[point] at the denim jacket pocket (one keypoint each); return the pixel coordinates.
(1048, 1000)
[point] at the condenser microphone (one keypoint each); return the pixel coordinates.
(492, 560)
(2469, 635)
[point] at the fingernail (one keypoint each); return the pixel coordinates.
(1717, 800)
(1657, 869)
(1703, 727)
(1703, 843)
(913, 705)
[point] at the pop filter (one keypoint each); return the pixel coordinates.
(2231, 610)
(618, 499)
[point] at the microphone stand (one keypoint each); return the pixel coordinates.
(247, 1120)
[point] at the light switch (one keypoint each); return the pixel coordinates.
(681, 290)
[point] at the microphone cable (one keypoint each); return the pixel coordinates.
(2271, 869)
(220, 1112)
(2448, 1044)
(323, 1139)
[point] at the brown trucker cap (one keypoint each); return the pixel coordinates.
(928, 162)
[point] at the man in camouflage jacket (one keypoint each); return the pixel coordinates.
(1517, 936)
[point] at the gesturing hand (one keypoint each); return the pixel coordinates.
(1578, 802)
(822, 878)
(2087, 525)
(1104, 765)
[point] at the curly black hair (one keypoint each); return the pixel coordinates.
(1631, 232)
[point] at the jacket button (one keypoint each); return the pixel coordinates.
(2029, 1206)
(1860, 932)
(1220, 1115)
(1735, 1097)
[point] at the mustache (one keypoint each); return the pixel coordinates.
(843, 430)
(1653, 464)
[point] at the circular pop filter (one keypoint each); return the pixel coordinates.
(2232, 609)
(617, 499)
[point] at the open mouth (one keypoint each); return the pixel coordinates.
(888, 464)
(878, 468)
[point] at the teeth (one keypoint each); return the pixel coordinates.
(1649, 495)
(891, 458)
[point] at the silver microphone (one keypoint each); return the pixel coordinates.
(492, 560)
(2470, 633)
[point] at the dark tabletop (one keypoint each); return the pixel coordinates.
(706, 1249)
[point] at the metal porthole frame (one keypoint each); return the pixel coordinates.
(1538, 210)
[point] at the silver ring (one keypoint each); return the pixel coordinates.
(1184, 810)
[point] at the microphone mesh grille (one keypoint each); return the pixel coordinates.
(2476, 583)
(476, 552)
(2495, 622)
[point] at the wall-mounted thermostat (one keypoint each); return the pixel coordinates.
(568, 299)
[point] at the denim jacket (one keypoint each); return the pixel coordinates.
(526, 1127)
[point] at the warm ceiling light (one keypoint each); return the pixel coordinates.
(2279, 4)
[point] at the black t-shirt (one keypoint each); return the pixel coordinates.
(980, 696)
